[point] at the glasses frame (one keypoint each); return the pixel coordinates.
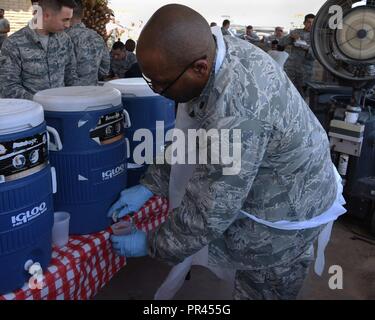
(162, 92)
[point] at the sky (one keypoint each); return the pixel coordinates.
(243, 12)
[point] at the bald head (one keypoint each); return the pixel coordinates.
(178, 33)
(174, 37)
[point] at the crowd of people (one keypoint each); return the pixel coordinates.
(94, 61)
(291, 51)
(63, 53)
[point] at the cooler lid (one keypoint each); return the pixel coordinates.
(136, 87)
(17, 115)
(78, 99)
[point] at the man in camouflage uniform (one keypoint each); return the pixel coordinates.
(40, 59)
(4, 27)
(92, 54)
(251, 36)
(121, 60)
(277, 36)
(225, 28)
(286, 171)
(299, 66)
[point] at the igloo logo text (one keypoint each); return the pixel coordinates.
(29, 215)
(110, 174)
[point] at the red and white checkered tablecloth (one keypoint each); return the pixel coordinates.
(151, 216)
(87, 263)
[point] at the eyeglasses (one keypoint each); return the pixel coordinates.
(162, 92)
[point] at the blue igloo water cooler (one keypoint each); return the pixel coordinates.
(145, 109)
(91, 158)
(26, 209)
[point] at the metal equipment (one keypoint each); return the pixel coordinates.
(343, 41)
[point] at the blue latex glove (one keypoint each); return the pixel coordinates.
(131, 246)
(131, 200)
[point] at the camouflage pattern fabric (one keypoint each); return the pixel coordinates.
(286, 171)
(299, 66)
(4, 24)
(27, 68)
(92, 54)
(283, 282)
(225, 32)
(253, 38)
(120, 67)
(268, 41)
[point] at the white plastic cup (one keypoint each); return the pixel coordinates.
(122, 228)
(351, 117)
(60, 230)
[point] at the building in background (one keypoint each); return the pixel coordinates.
(17, 12)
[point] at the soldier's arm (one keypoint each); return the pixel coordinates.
(6, 27)
(286, 40)
(71, 77)
(11, 73)
(310, 54)
(213, 200)
(256, 37)
(105, 64)
(111, 70)
(133, 59)
(156, 179)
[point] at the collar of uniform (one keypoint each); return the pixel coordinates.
(197, 106)
(33, 35)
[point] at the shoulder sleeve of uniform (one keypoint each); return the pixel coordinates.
(66, 38)
(157, 178)
(64, 35)
(105, 63)
(71, 77)
(10, 72)
(133, 58)
(286, 40)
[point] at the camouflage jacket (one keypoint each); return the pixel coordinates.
(4, 24)
(120, 67)
(268, 41)
(92, 54)
(225, 32)
(286, 170)
(297, 54)
(27, 68)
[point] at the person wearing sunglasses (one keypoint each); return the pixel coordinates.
(253, 222)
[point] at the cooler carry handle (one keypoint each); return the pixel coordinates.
(57, 146)
(129, 95)
(128, 123)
